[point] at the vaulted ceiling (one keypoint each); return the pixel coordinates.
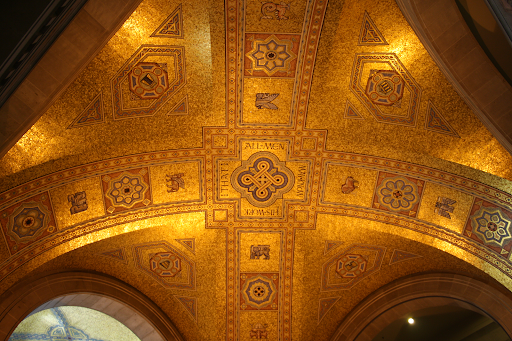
(255, 167)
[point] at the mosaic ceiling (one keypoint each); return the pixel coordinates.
(258, 168)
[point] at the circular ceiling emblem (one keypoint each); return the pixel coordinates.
(259, 291)
(148, 80)
(28, 221)
(351, 266)
(165, 264)
(385, 87)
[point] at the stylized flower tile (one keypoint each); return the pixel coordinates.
(490, 225)
(271, 55)
(398, 194)
(126, 190)
(28, 221)
(259, 291)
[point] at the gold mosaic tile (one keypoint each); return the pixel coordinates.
(62, 204)
(435, 193)
(277, 114)
(253, 248)
(177, 182)
(349, 185)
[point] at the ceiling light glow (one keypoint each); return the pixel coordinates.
(410, 320)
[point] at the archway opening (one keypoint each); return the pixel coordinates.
(449, 322)
(72, 323)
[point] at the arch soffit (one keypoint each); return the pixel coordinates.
(85, 289)
(409, 294)
(444, 33)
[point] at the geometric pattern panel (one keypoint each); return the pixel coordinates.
(383, 84)
(166, 264)
(259, 291)
(384, 87)
(93, 114)
(398, 194)
(434, 121)
(172, 26)
(369, 34)
(400, 256)
(126, 190)
(117, 254)
(351, 112)
(189, 244)
(490, 225)
(262, 179)
(190, 305)
(330, 245)
(148, 80)
(350, 266)
(271, 55)
(27, 222)
(325, 305)
(181, 108)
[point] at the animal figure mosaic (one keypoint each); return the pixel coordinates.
(260, 250)
(443, 207)
(78, 202)
(259, 332)
(278, 9)
(349, 186)
(263, 101)
(174, 182)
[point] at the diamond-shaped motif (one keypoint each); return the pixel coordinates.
(351, 266)
(147, 80)
(383, 96)
(166, 264)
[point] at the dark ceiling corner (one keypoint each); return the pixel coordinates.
(34, 34)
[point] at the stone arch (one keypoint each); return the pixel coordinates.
(409, 294)
(91, 290)
(444, 33)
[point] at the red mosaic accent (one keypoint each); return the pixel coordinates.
(7, 219)
(468, 229)
(410, 211)
(258, 284)
(250, 38)
(107, 183)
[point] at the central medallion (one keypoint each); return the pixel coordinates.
(385, 87)
(262, 179)
(148, 80)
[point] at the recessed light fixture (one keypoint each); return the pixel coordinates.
(410, 320)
